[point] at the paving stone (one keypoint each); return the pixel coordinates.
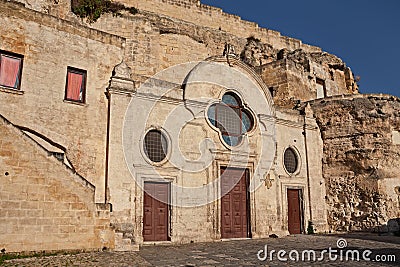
(229, 253)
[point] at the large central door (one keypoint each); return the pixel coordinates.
(234, 203)
(294, 211)
(156, 209)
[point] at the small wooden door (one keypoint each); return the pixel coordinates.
(234, 203)
(156, 209)
(294, 211)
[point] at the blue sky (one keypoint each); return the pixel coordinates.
(365, 34)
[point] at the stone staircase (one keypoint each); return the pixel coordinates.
(124, 244)
(124, 240)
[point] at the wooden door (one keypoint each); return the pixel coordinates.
(234, 203)
(294, 211)
(156, 209)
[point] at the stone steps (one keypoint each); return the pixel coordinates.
(124, 244)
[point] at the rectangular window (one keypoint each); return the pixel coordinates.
(10, 70)
(76, 85)
(321, 91)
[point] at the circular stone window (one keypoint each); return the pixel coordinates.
(290, 161)
(155, 146)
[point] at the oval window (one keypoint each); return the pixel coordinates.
(155, 146)
(290, 161)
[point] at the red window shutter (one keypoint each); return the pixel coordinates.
(74, 87)
(9, 71)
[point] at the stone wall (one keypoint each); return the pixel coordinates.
(293, 76)
(361, 159)
(45, 205)
(214, 18)
(157, 100)
(49, 45)
(159, 41)
(188, 11)
(166, 33)
(300, 133)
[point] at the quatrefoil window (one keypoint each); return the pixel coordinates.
(231, 118)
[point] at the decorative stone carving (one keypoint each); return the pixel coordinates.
(122, 70)
(229, 50)
(121, 81)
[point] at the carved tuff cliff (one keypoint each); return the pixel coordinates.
(256, 53)
(361, 159)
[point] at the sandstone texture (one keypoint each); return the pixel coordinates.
(361, 159)
(163, 69)
(45, 205)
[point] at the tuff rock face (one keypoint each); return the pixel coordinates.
(361, 159)
(256, 53)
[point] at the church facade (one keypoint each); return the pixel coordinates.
(180, 123)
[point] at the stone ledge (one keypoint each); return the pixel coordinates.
(75, 103)
(11, 91)
(354, 96)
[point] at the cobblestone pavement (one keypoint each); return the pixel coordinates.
(233, 253)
